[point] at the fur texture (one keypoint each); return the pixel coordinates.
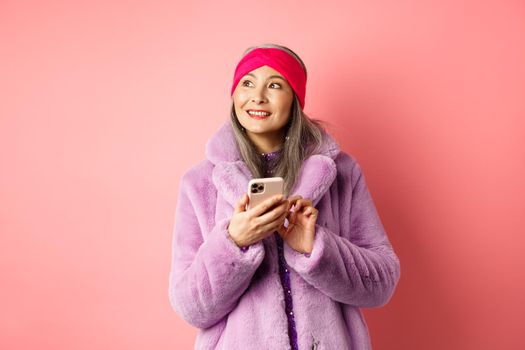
(236, 298)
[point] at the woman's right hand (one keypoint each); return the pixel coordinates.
(250, 226)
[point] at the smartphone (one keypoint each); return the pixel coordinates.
(263, 188)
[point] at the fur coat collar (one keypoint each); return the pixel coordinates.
(231, 174)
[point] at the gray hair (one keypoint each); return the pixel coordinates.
(304, 137)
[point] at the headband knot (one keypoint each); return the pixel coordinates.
(278, 59)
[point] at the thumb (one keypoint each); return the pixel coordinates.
(241, 203)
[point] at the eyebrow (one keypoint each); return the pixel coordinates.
(270, 77)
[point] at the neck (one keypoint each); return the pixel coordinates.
(267, 143)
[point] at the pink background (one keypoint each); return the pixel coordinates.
(104, 105)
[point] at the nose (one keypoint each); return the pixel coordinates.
(259, 95)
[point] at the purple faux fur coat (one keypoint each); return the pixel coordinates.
(236, 298)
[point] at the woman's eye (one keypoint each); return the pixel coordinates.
(248, 83)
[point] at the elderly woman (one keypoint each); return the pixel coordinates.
(293, 271)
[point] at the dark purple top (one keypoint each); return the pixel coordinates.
(284, 273)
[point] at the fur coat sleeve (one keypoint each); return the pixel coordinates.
(207, 276)
(357, 267)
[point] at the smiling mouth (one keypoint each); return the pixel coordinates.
(258, 114)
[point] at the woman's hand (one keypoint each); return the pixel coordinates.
(300, 233)
(250, 226)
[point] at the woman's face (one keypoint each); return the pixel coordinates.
(263, 89)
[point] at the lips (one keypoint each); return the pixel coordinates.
(258, 116)
(257, 110)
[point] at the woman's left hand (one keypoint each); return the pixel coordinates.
(300, 233)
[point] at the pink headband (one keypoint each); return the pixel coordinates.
(279, 60)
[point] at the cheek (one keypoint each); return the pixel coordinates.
(285, 103)
(237, 102)
(239, 108)
(240, 94)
